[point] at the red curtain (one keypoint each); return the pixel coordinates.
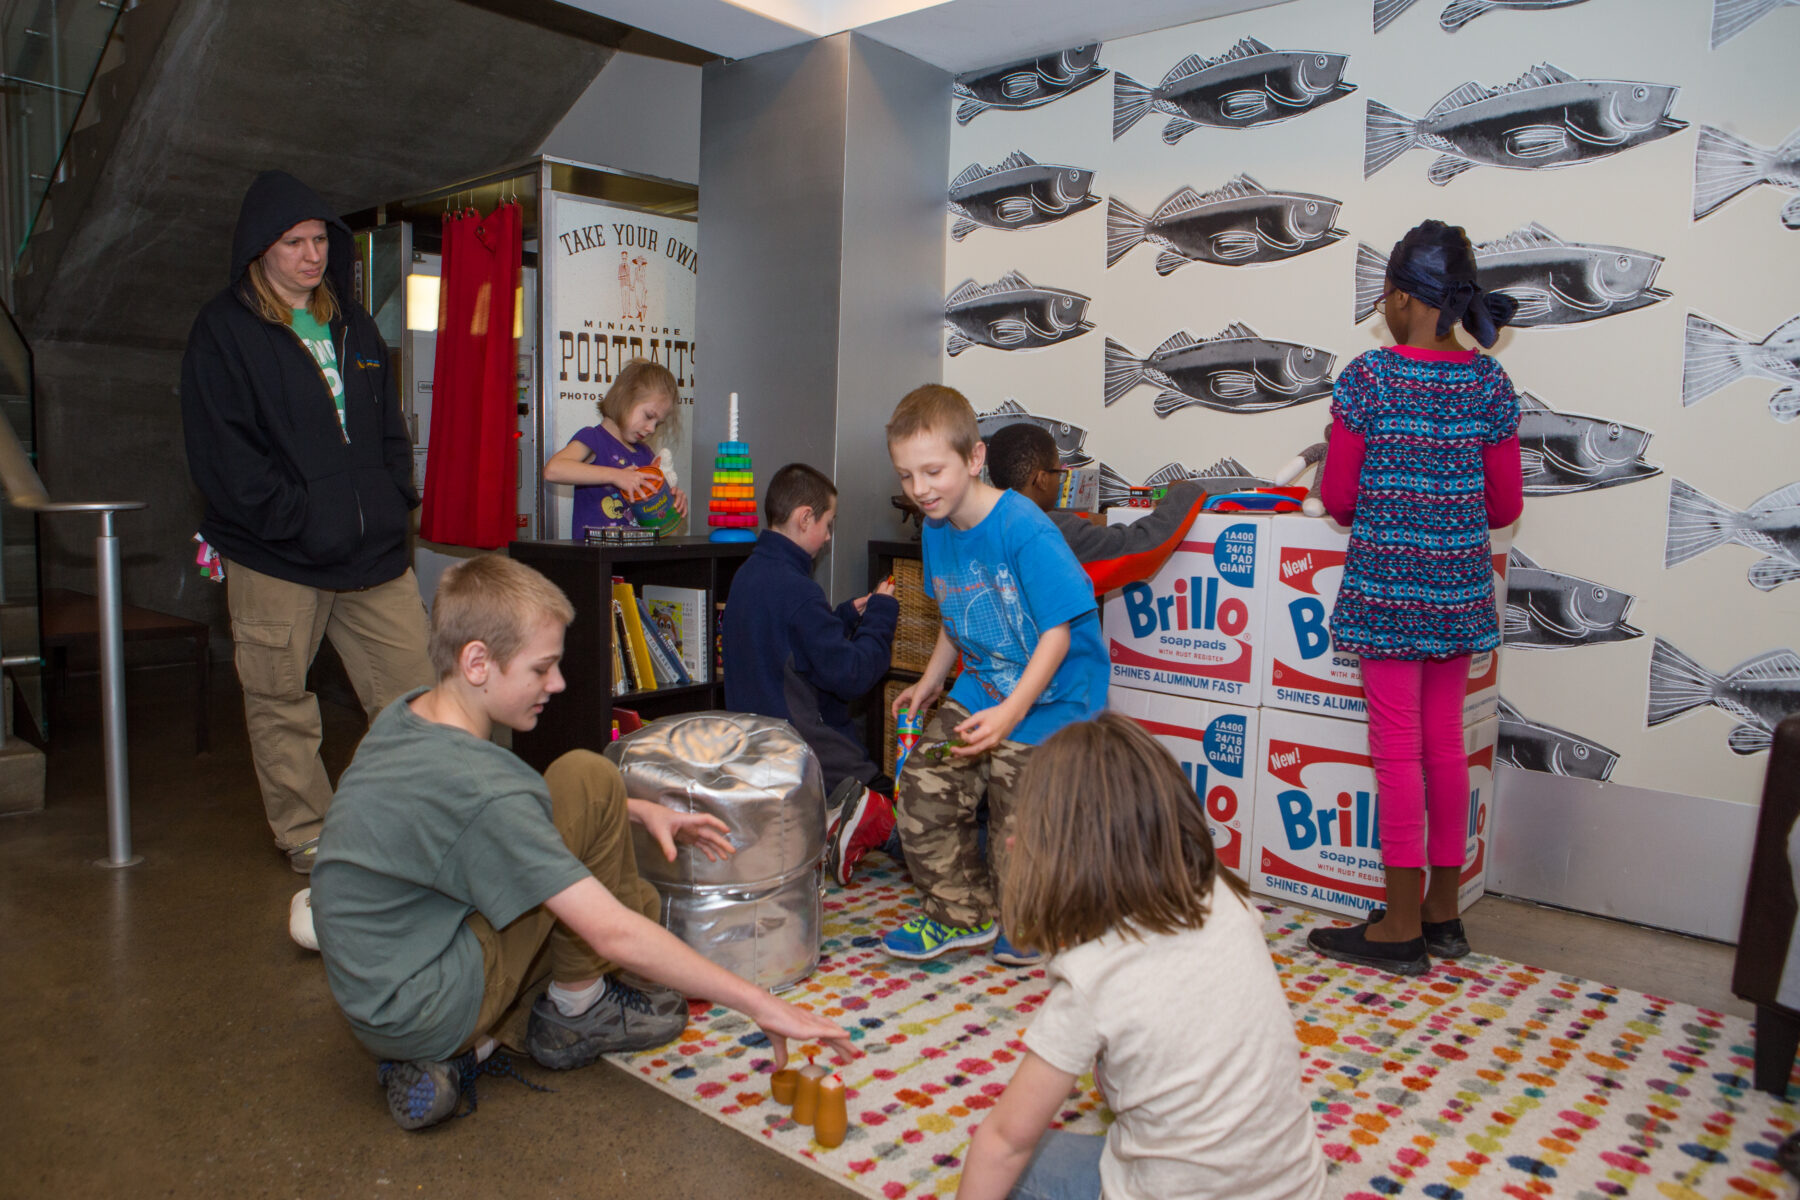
(472, 463)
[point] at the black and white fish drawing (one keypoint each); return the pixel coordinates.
(1018, 192)
(1546, 118)
(1548, 610)
(1248, 85)
(1027, 83)
(1555, 282)
(1238, 225)
(1235, 371)
(1760, 692)
(1732, 17)
(1727, 166)
(1012, 313)
(1226, 475)
(1716, 356)
(1461, 12)
(1069, 438)
(1561, 452)
(1770, 526)
(1531, 746)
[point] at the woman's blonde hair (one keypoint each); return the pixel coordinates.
(638, 380)
(323, 306)
(1107, 834)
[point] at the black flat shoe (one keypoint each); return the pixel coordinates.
(1352, 945)
(1443, 939)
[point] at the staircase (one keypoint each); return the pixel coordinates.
(368, 102)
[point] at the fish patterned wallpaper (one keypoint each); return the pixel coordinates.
(1165, 247)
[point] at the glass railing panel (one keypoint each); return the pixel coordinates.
(19, 621)
(49, 53)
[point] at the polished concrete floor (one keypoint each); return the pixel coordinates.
(166, 1038)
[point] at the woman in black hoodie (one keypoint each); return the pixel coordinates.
(294, 437)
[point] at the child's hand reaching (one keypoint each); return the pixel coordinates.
(917, 697)
(986, 729)
(681, 500)
(701, 830)
(781, 1021)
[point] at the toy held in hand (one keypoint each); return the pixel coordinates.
(653, 505)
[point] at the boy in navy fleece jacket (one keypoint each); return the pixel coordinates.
(788, 654)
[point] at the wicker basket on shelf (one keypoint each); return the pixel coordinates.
(916, 635)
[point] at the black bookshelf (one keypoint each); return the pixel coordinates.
(581, 717)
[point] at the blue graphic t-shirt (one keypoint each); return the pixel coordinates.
(997, 585)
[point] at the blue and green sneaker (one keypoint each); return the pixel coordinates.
(922, 938)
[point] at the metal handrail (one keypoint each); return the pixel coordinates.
(25, 490)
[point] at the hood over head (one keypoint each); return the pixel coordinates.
(275, 203)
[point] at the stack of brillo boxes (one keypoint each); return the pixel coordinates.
(1226, 657)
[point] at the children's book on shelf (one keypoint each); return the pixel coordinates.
(669, 671)
(681, 615)
(637, 649)
(624, 678)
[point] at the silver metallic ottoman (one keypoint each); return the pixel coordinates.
(757, 914)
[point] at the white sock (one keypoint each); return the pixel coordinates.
(571, 1002)
(485, 1047)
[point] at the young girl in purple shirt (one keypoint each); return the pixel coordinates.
(605, 462)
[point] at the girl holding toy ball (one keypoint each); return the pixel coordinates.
(612, 464)
(1423, 461)
(1160, 979)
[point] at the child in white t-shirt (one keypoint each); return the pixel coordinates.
(1160, 979)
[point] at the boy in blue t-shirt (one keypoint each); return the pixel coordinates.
(1020, 612)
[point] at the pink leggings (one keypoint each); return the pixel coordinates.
(1415, 720)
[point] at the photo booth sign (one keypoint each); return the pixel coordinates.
(1216, 745)
(1315, 834)
(619, 284)
(1301, 670)
(1196, 629)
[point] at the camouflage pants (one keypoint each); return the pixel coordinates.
(935, 806)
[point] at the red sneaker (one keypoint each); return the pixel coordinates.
(865, 823)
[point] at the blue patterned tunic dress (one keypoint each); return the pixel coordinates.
(1418, 578)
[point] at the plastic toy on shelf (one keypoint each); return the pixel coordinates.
(731, 510)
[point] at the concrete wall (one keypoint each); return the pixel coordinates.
(821, 243)
(383, 99)
(640, 114)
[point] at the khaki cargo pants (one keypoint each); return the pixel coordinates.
(276, 627)
(935, 807)
(587, 806)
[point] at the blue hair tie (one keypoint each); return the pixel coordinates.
(1426, 275)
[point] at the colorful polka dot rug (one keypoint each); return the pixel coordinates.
(1483, 1078)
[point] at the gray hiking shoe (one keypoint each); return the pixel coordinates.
(302, 857)
(623, 1019)
(422, 1093)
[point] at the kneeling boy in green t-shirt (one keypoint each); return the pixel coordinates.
(452, 879)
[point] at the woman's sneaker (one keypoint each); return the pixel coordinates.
(622, 1020)
(923, 938)
(864, 822)
(422, 1093)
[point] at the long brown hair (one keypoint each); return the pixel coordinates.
(323, 305)
(1107, 833)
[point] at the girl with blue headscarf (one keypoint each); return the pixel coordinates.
(1423, 461)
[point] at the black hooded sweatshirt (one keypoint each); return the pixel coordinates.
(289, 492)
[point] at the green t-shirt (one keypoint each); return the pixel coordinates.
(317, 339)
(429, 825)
